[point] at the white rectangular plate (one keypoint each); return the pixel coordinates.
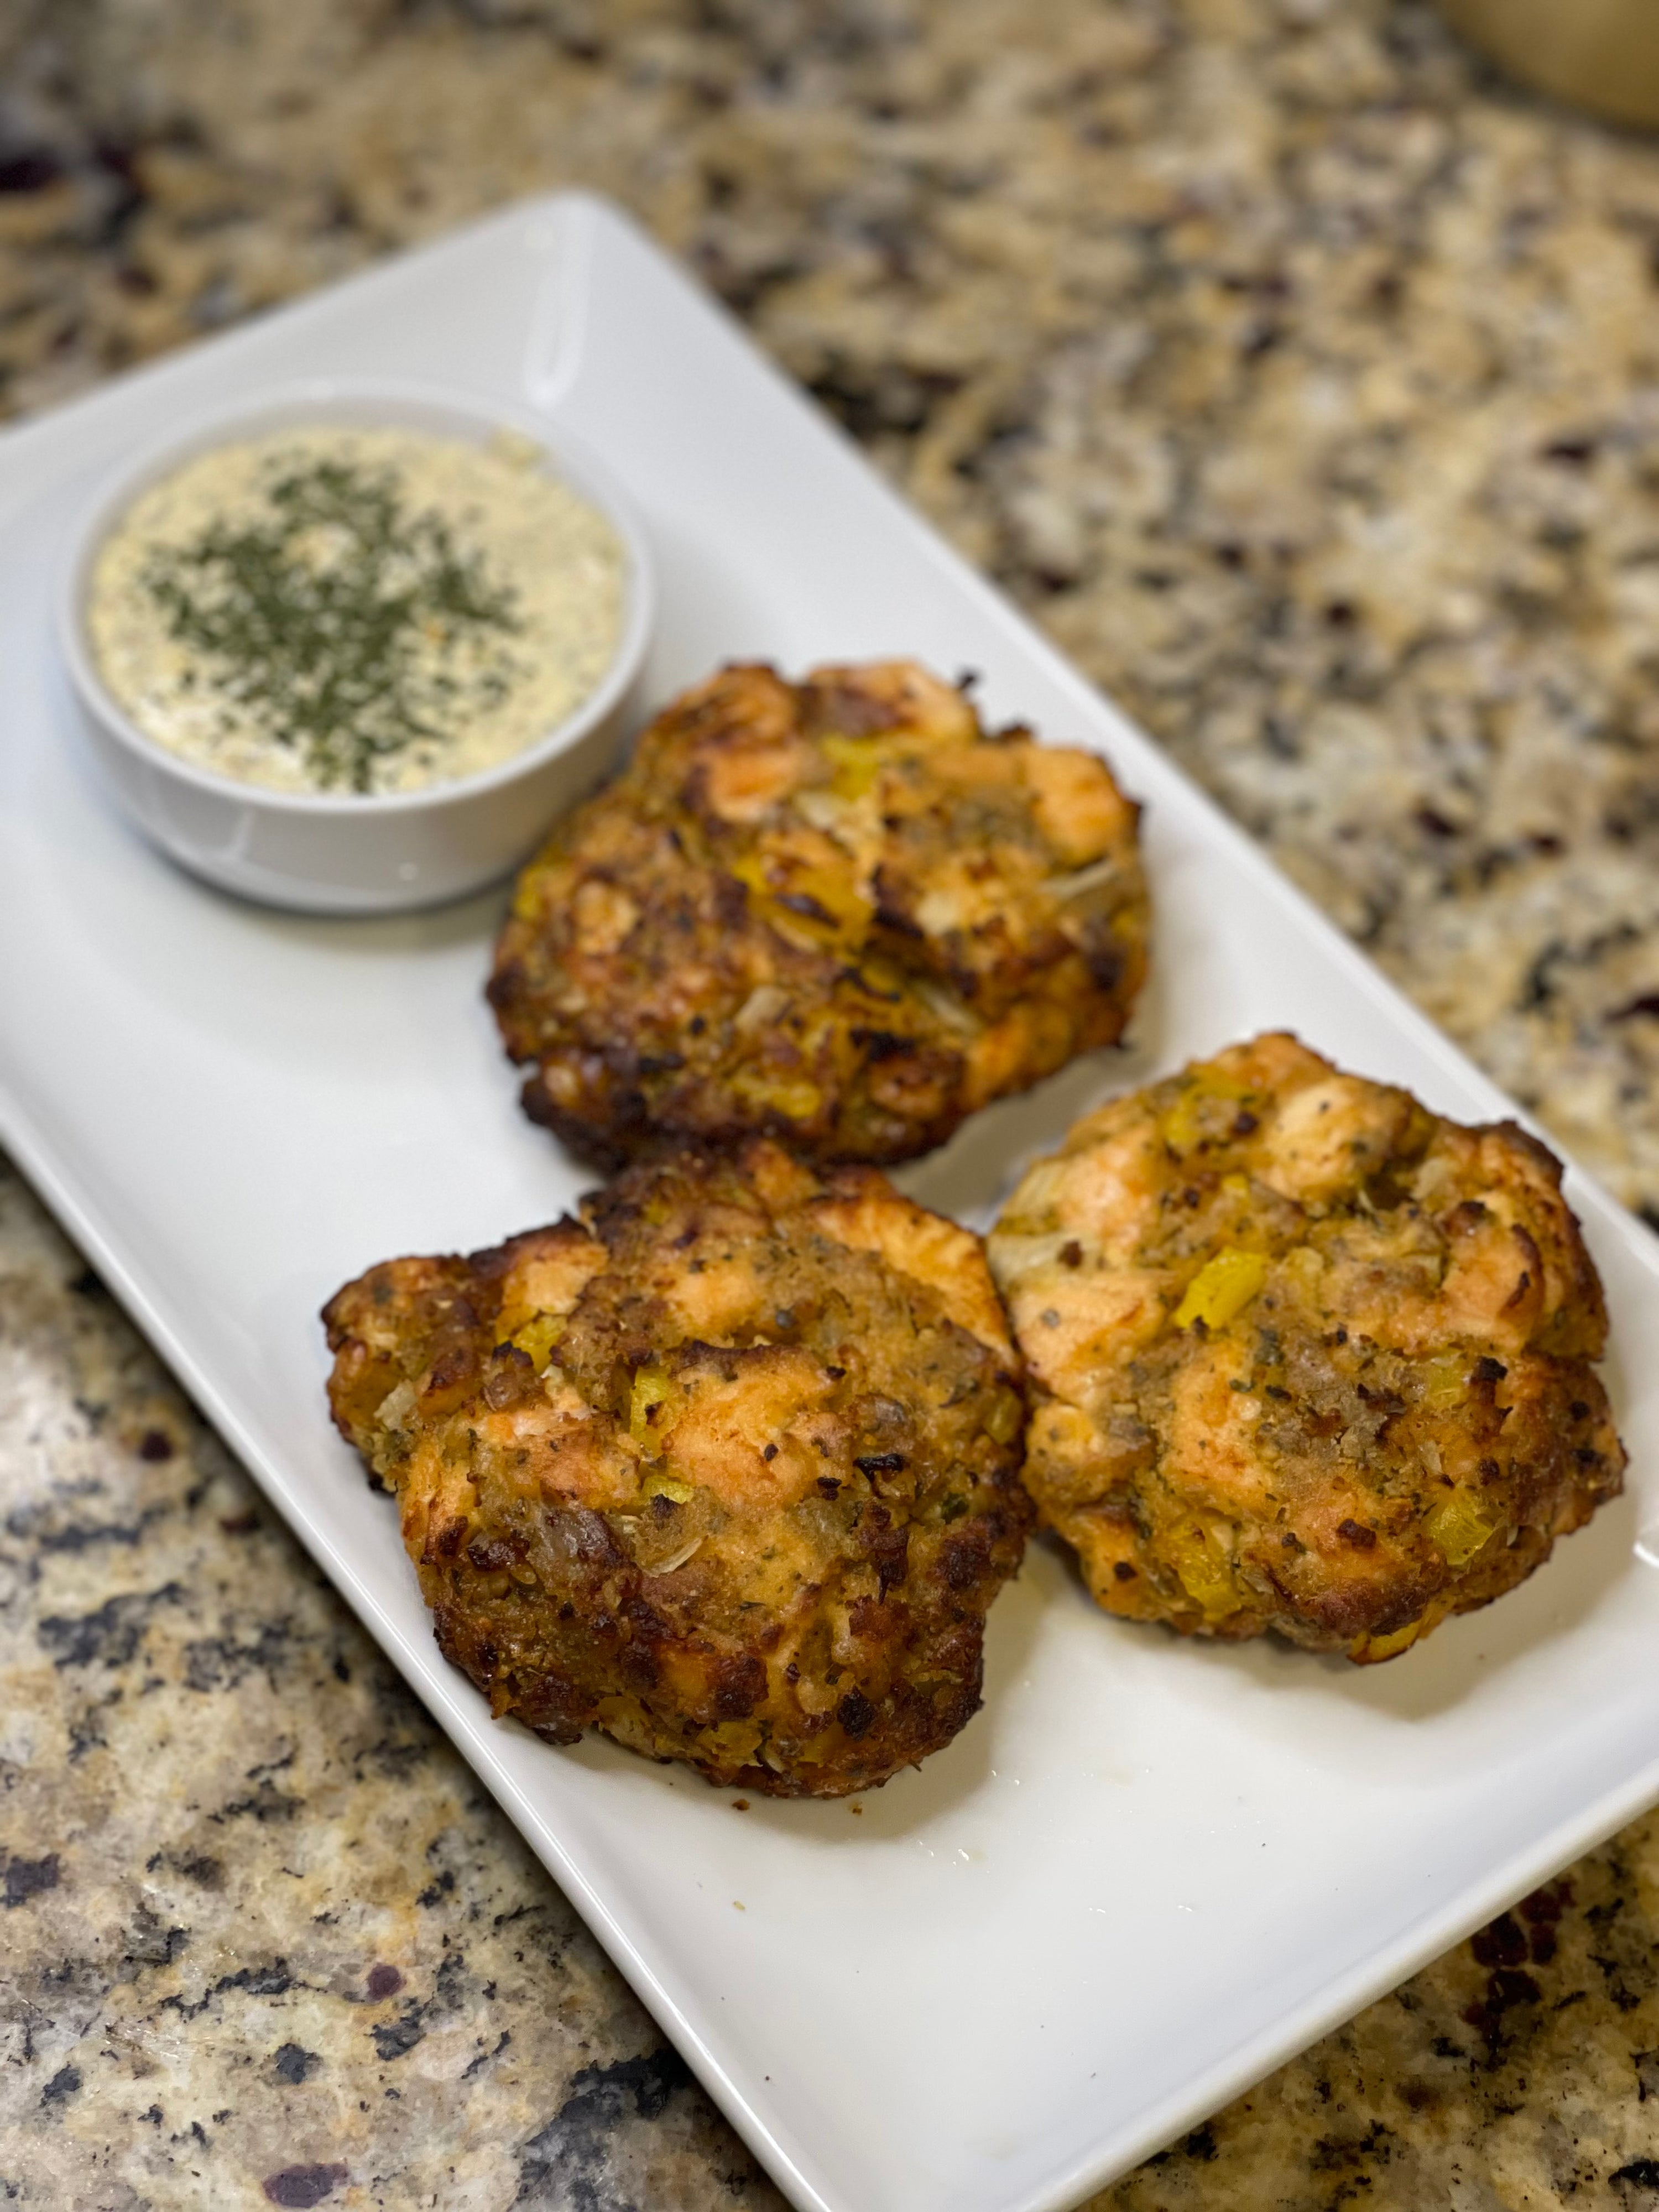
(1148, 1870)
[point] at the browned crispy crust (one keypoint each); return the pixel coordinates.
(729, 1468)
(838, 912)
(1304, 1356)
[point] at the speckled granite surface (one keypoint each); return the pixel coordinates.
(1306, 382)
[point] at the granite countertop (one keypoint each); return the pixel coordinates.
(1303, 381)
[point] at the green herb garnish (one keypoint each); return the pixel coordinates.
(345, 627)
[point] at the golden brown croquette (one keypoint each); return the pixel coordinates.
(838, 912)
(1303, 1356)
(728, 1468)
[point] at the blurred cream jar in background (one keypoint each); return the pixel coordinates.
(1600, 54)
(349, 648)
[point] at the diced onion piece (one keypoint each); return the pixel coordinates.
(764, 1004)
(945, 1006)
(822, 809)
(1082, 881)
(676, 1559)
(395, 1409)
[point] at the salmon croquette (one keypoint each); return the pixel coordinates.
(1304, 1356)
(727, 1468)
(840, 913)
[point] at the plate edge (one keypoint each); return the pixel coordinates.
(1567, 1841)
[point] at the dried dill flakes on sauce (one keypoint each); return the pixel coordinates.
(345, 627)
(356, 609)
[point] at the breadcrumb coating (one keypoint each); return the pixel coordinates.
(1303, 1356)
(727, 1468)
(838, 912)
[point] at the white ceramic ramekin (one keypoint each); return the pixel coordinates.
(324, 853)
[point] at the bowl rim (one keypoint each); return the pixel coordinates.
(353, 400)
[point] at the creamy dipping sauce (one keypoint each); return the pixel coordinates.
(355, 611)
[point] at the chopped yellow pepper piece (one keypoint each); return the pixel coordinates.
(1205, 1572)
(1005, 1417)
(527, 898)
(1445, 1378)
(1386, 1647)
(538, 1338)
(1182, 1126)
(792, 1096)
(857, 762)
(815, 898)
(1458, 1528)
(651, 1389)
(669, 1486)
(1222, 1287)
